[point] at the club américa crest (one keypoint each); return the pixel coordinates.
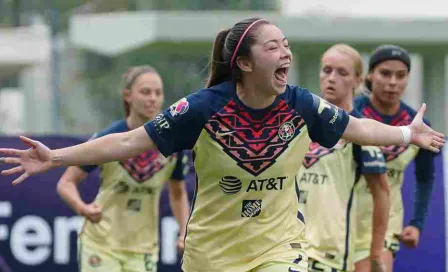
(286, 131)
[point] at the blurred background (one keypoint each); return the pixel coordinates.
(61, 64)
(61, 61)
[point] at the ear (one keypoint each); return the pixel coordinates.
(244, 64)
(127, 95)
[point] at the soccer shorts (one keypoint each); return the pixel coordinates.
(316, 266)
(390, 244)
(98, 258)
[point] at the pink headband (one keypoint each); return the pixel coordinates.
(241, 40)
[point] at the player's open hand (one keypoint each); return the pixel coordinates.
(423, 136)
(93, 212)
(31, 161)
(410, 236)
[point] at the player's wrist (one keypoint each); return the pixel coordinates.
(406, 132)
(55, 159)
(80, 209)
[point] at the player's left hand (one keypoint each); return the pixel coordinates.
(410, 236)
(423, 136)
(180, 244)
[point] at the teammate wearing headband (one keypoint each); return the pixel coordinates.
(387, 79)
(249, 131)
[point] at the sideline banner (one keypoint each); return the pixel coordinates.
(38, 231)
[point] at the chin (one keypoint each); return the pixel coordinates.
(278, 89)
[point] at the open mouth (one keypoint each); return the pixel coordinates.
(281, 74)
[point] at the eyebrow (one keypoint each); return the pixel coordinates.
(284, 39)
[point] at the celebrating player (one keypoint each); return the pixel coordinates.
(387, 79)
(121, 228)
(328, 176)
(247, 129)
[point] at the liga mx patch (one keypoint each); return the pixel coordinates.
(179, 108)
(251, 208)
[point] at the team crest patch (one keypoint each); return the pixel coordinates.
(286, 131)
(94, 261)
(180, 107)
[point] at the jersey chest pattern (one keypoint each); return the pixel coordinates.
(391, 152)
(144, 166)
(254, 144)
(316, 152)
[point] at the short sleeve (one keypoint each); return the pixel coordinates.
(326, 122)
(181, 167)
(179, 126)
(371, 160)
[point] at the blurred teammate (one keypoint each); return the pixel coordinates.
(328, 176)
(387, 79)
(121, 228)
(247, 129)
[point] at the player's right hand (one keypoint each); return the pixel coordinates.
(93, 212)
(36, 159)
(376, 265)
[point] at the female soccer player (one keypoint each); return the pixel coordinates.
(328, 176)
(247, 129)
(387, 79)
(121, 228)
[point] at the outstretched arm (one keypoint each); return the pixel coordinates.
(39, 158)
(371, 132)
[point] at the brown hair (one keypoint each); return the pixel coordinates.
(224, 47)
(351, 53)
(129, 78)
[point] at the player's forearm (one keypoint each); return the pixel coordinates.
(68, 191)
(371, 132)
(421, 203)
(380, 217)
(112, 147)
(180, 207)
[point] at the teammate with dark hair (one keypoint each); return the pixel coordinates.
(387, 79)
(249, 131)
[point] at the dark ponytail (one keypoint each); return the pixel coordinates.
(218, 69)
(224, 48)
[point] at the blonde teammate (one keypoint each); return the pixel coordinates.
(247, 129)
(121, 228)
(328, 177)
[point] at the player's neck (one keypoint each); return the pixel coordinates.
(135, 120)
(252, 97)
(383, 108)
(345, 104)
